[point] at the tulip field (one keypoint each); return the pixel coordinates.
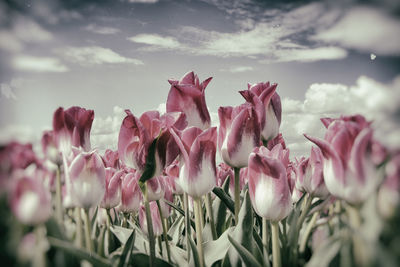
(164, 197)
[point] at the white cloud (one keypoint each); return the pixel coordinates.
(7, 91)
(156, 41)
(38, 64)
(376, 101)
(105, 131)
(237, 69)
(96, 55)
(20, 133)
(101, 29)
(365, 29)
(310, 54)
(143, 1)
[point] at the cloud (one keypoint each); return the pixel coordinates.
(237, 69)
(156, 41)
(7, 91)
(376, 101)
(38, 64)
(310, 54)
(101, 29)
(96, 55)
(23, 31)
(143, 1)
(105, 131)
(365, 29)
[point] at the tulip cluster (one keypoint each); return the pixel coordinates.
(164, 173)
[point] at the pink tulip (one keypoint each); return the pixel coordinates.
(267, 104)
(30, 200)
(268, 185)
(155, 188)
(72, 127)
(309, 175)
(131, 195)
(50, 149)
(172, 177)
(136, 136)
(188, 96)
(112, 195)
(239, 133)
(224, 170)
(155, 217)
(88, 179)
(275, 141)
(198, 171)
(111, 159)
(349, 171)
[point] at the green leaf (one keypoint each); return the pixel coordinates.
(126, 253)
(220, 210)
(79, 253)
(53, 229)
(244, 254)
(216, 250)
(121, 233)
(195, 253)
(150, 167)
(181, 211)
(325, 253)
(230, 204)
(142, 260)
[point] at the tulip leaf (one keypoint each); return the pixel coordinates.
(79, 253)
(150, 166)
(219, 192)
(215, 250)
(325, 253)
(126, 253)
(181, 211)
(139, 259)
(244, 254)
(195, 253)
(121, 233)
(219, 209)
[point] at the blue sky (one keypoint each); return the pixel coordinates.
(112, 55)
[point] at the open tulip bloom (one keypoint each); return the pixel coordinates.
(161, 184)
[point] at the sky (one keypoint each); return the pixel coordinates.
(328, 58)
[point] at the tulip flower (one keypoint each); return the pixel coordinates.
(268, 185)
(30, 200)
(88, 179)
(172, 177)
(239, 133)
(111, 159)
(349, 171)
(198, 172)
(136, 136)
(277, 140)
(112, 195)
(165, 208)
(267, 104)
(49, 148)
(224, 170)
(188, 96)
(309, 175)
(155, 188)
(72, 127)
(131, 195)
(155, 218)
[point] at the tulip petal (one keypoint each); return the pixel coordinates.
(358, 153)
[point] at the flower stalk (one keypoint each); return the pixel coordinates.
(88, 239)
(199, 228)
(276, 251)
(210, 215)
(237, 194)
(164, 226)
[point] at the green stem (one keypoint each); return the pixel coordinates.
(361, 254)
(187, 224)
(304, 212)
(100, 248)
(88, 240)
(39, 260)
(276, 253)
(210, 215)
(78, 221)
(59, 208)
(199, 237)
(307, 232)
(164, 226)
(237, 194)
(152, 245)
(265, 238)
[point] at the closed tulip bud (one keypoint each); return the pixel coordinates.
(131, 195)
(223, 172)
(239, 133)
(88, 179)
(198, 172)
(155, 217)
(309, 175)
(268, 185)
(112, 195)
(349, 171)
(72, 127)
(267, 103)
(30, 200)
(188, 96)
